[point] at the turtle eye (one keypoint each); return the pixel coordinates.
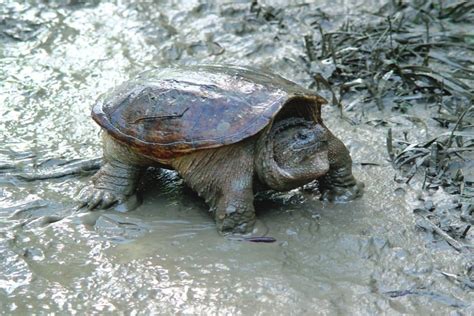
(301, 135)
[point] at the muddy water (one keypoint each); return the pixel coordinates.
(365, 257)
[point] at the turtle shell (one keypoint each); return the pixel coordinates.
(170, 111)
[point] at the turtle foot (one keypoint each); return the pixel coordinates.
(235, 225)
(343, 194)
(96, 199)
(255, 232)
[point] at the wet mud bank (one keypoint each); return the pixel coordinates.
(399, 78)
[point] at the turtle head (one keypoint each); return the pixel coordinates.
(292, 153)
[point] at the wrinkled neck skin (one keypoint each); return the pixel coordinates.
(282, 165)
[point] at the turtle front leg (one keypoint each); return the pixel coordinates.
(338, 184)
(224, 178)
(234, 211)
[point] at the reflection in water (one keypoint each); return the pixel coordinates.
(166, 257)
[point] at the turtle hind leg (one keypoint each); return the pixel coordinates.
(338, 184)
(114, 184)
(224, 178)
(116, 181)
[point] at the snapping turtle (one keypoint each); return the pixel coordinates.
(227, 130)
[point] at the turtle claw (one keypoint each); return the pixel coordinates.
(100, 199)
(343, 194)
(95, 199)
(109, 199)
(236, 225)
